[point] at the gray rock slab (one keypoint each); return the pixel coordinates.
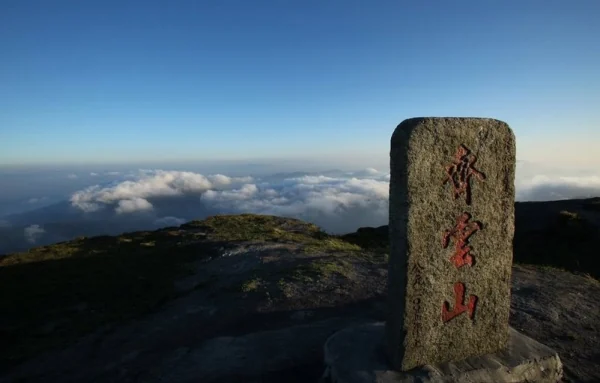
(243, 358)
(451, 222)
(356, 355)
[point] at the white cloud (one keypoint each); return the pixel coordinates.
(84, 199)
(72, 176)
(339, 204)
(582, 182)
(33, 232)
(246, 192)
(537, 182)
(93, 174)
(310, 179)
(366, 173)
(336, 203)
(133, 205)
(127, 195)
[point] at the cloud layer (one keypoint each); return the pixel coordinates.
(338, 203)
(33, 232)
(539, 183)
(131, 196)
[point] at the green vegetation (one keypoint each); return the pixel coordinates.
(285, 288)
(323, 268)
(251, 227)
(45, 253)
(327, 268)
(311, 272)
(252, 285)
(331, 244)
(53, 294)
(267, 228)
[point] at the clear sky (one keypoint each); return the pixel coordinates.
(119, 81)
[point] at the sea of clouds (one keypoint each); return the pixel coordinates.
(337, 201)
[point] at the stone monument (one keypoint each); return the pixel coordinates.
(451, 224)
(451, 230)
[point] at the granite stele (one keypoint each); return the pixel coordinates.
(451, 222)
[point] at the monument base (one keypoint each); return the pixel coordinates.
(356, 355)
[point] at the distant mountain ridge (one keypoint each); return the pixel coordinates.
(545, 232)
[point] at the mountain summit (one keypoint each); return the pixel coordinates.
(253, 297)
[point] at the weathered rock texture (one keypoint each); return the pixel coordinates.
(522, 360)
(451, 228)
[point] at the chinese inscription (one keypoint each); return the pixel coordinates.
(459, 306)
(460, 235)
(460, 171)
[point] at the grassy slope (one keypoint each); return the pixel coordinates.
(53, 294)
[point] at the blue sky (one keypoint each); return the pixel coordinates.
(127, 81)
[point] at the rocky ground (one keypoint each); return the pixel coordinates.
(253, 299)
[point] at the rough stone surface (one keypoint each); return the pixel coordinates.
(430, 260)
(522, 360)
(228, 359)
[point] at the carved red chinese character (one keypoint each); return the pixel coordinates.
(459, 307)
(460, 235)
(460, 171)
